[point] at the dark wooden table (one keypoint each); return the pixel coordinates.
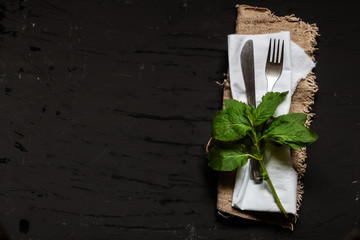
(106, 108)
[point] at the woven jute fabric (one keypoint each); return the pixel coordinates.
(256, 20)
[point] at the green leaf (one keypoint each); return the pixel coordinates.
(230, 124)
(299, 118)
(293, 134)
(293, 117)
(267, 107)
(233, 103)
(227, 157)
(244, 109)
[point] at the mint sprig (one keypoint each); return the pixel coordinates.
(244, 131)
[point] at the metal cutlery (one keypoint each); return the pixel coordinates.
(274, 63)
(247, 66)
(273, 70)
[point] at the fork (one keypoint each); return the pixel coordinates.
(273, 69)
(274, 63)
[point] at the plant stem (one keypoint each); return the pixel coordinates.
(252, 156)
(259, 157)
(277, 200)
(256, 142)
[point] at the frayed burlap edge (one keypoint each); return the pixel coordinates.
(256, 20)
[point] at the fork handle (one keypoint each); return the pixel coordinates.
(271, 82)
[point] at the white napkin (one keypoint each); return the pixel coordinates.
(297, 64)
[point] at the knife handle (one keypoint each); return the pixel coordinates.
(255, 171)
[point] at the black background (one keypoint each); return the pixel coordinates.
(106, 108)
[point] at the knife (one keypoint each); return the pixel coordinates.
(247, 66)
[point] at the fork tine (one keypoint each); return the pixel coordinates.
(282, 53)
(277, 52)
(269, 52)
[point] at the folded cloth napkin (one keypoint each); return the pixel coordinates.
(247, 194)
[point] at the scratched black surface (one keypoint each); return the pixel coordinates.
(106, 107)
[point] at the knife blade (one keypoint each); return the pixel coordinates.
(247, 66)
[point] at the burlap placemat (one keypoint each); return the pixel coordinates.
(255, 20)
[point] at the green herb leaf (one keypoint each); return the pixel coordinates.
(229, 103)
(242, 108)
(230, 124)
(296, 135)
(227, 157)
(293, 117)
(267, 107)
(298, 118)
